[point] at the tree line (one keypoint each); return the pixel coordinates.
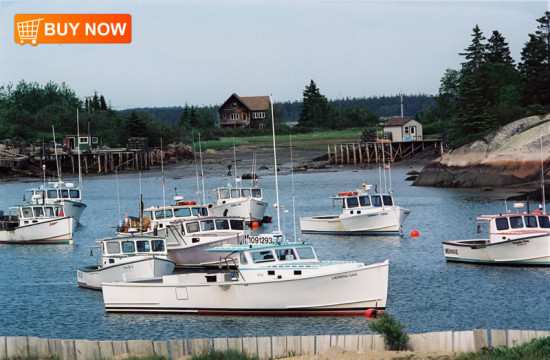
(488, 91)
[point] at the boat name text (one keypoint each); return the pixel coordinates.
(344, 276)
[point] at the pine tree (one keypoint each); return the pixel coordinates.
(315, 108)
(475, 53)
(193, 119)
(535, 65)
(498, 50)
(184, 118)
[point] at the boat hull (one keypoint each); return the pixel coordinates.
(368, 222)
(345, 292)
(249, 209)
(73, 209)
(92, 276)
(54, 231)
(193, 254)
(527, 250)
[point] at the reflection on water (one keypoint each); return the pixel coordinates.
(39, 295)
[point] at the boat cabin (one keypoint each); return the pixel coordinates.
(511, 224)
(223, 194)
(31, 213)
(355, 200)
(115, 250)
(210, 224)
(54, 192)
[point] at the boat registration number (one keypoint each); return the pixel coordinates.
(260, 239)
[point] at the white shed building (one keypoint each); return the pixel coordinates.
(403, 129)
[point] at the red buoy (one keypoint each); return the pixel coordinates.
(371, 313)
(255, 225)
(415, 233)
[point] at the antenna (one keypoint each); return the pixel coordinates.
(275, 160)
(202, 173)
(542, 177)
(293, 197)
(196, 169)
(401, 91)
(162, 171)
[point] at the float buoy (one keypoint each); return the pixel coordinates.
(371, 313)
(255, 225)
(415, 233)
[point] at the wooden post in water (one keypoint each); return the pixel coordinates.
(328, 152)
(335, 155)
(354, 155)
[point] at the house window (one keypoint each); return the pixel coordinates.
(234, 105)
(83, 140)
(95, 140)
(259, 115)
(406, 130)
(234, 116)
(244, 117)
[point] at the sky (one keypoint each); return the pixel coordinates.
(199, 52)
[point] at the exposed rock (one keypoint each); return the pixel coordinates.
(180, 151)
(510, 155)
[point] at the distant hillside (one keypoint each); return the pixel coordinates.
(386, 106)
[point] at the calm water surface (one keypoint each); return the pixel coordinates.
(39, 295)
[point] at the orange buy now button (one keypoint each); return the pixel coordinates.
(72, 28)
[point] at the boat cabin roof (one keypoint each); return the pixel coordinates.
(533, 221)
(237, 192)
(135, 244)
(253, 247)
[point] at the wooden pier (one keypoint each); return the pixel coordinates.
(102, 161)
(377, 152)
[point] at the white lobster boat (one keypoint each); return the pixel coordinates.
(362, 214)
(187, 239)
(129, 258)
(36, 224)
(514, 239)
(245, 202)
(260, 279)
(59, 192)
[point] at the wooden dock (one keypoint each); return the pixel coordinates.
(377, 152)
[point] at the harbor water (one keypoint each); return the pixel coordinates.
(39, 295)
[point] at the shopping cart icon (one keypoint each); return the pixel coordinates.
(28, 31)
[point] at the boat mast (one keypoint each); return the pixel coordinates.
(543, 195)
(293, 197)
(162, 171)
(79, 164)
(56, 158)
(196, 170)
(275, 160)
(202, 172)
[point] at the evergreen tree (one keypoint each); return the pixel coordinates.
(498, 50)
(102, 103)
(475, 53)
(535, 65)
(193, 119)
(136, 126)
(184, 118)
(315, 108)
(95, 102)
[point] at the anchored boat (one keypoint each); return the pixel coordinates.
(514, 239)
(36, 224)
(363, 213)
(129, 258)
(59, 192)
(274, 278)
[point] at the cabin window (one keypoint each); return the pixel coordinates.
(26, 212)
(242, 259)
(182, 212)
(501, 223)
(192, 227)
(352, 202)
(364, 200)
(237, 224)
(530, 221)
(376, 200)
(516, 222)
(113, 247)
(544, 222)
(143, 246)
(49, 211)
(235, 193)
(305, 253)
(245, 192)
(65, 194)
(207, 225)
(75, 194)
(234, 116)
(157, 245)
(38, 212)
(200, 211)
(83, 140)
(128, 247)
(162, 214)
(387, 200)
(52, 194)
(224, 194)
(262, 256)
(285, 254)
(222, 224)
(257, 193)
